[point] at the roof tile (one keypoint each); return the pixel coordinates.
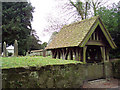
(73, 34)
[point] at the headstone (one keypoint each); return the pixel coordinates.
(0, 49)
(15, 48)
(44, 53)
(4, 50)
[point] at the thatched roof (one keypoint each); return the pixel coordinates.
(73, 35)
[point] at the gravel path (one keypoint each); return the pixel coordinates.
(103, 83)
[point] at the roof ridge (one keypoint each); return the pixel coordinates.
(81, 21)
(72, 34)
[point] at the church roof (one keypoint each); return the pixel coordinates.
(78, 33)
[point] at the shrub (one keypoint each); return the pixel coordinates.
(116, 68)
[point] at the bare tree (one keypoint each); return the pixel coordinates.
(69, 11)
(96, 4)
(54, 24)
(82, 8)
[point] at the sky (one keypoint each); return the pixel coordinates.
(43, 10)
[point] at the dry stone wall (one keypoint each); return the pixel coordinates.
(56, 76)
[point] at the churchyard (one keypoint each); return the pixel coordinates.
(71, 63)
(84, 46)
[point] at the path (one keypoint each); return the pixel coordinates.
(103, 83)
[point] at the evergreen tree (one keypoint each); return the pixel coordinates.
(16, 23)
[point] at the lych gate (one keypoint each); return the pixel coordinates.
(86, 41)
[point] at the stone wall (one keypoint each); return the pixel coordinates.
(56, 76)
(116, 68)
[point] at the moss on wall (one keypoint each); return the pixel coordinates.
(116, 68)
(52, 76)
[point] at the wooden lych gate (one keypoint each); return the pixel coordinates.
(86, 41)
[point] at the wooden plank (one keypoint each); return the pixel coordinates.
(84, 54)
(94, 36)
(97, 36)
(93, 42)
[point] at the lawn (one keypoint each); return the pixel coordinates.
(14, 62)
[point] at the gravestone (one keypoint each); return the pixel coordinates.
(0, 49)
(4, 50)
(44, 53)
(15, 48)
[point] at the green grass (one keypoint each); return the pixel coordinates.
(15, 62)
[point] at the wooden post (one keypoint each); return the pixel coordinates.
(107, 54)
(63, 53)
(84, 54)
(44, 53)
(80, 54)
(103, 53)
(55, 53)
(58, 54)
(94, 36)
(74, 51)
(52, 51)
(71, 54)
(77, 54)
(66, 53)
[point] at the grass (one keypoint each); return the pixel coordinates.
(15, 62)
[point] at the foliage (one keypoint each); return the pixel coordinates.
(14, 62)
(43, 45)
(111, 19)
(16, 23)
(33, 41)
(116, 68)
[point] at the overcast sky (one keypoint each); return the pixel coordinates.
(44, 9)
